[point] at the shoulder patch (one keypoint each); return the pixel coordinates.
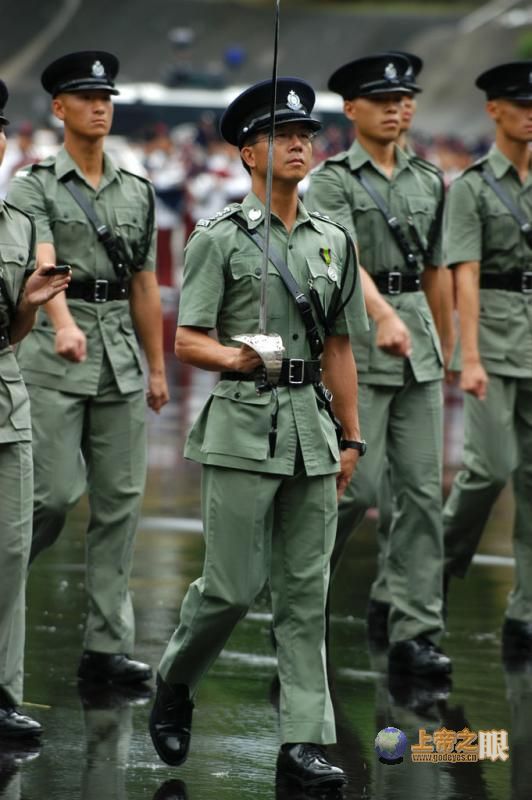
(325, 218)
(228, 211)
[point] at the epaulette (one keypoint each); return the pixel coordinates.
(428, 165)
(336, 159)
(29, 169)
(228, 211)
(136, 175)
(325, 218)
(478, 164)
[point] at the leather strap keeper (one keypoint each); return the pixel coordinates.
(397, 282)
(294, 372)
(98, 291)
(513, 281)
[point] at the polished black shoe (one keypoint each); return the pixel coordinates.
(14, 725)
(112, 668)
(377, 623)
(171, 722)
(418, 656)
(307, 764)
(516, 640)
(171, 790)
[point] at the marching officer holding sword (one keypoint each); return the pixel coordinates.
(272, 467)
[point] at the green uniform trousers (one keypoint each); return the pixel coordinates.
(497, 446)
(404, 426)
(16, 498)
(379, 587)
(99, 443)
(261, 527)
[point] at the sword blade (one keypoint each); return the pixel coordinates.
(263, 307)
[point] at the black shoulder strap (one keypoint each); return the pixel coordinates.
(102, 231)
(302, 302)
(524, 223)
(391, 220)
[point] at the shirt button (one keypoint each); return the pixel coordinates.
(295, 336)
(258, 271)
(237, 395)
(290, 246)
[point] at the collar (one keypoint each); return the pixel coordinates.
(65, 164)
(499, 163)
(253, 210)
(358, 157)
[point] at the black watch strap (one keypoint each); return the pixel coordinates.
(353, 444)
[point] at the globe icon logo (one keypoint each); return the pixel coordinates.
(390, 744)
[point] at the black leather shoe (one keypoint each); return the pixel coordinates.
(14, 725)
(377, 623)
(307, 764)
(418, 656)
(171, 722)
(171, 790)
(516, 640)
(112, 668)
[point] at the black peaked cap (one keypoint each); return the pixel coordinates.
(251, 111)
(512, 81)
(376, 74)
(81, 71)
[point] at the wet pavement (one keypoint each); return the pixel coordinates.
(96, 745)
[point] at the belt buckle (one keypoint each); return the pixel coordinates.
(395, 283)
(296, 371)
(100, 292)
(526, 282)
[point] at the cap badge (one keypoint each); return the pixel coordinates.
(98, 69)
(293, 102)
(390, 72)
(254, 214)
(409, 73)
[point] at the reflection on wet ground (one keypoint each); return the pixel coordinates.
(96, 745)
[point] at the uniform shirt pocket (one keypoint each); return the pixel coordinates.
(14, 400)
(238, 421)
(494, 329)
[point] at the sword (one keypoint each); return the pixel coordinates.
(268, 346)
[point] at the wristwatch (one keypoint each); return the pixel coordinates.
(352, 444)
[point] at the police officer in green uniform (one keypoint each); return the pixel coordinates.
(393, 203)
(490, 249)
(21, 290)
(379, 601)
(81, 362)
(270, 458)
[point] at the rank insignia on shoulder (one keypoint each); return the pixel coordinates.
(203, 223)
(22, 173)
(325, 253)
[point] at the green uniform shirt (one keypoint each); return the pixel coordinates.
(480, 228)
(413, 192)
(221, 289)
(17, 241)
(124, 202)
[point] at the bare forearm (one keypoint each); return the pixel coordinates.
(194, 346)
(340, 376)
(145, 303)
(432, 286)
(468, 303)
(23, 321)
(376, 305)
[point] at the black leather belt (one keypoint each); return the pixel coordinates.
(98, 291)
(294, 372)
(4, 338)
(397, 282)
(513, 281)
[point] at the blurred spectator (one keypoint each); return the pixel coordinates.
(20, 151)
